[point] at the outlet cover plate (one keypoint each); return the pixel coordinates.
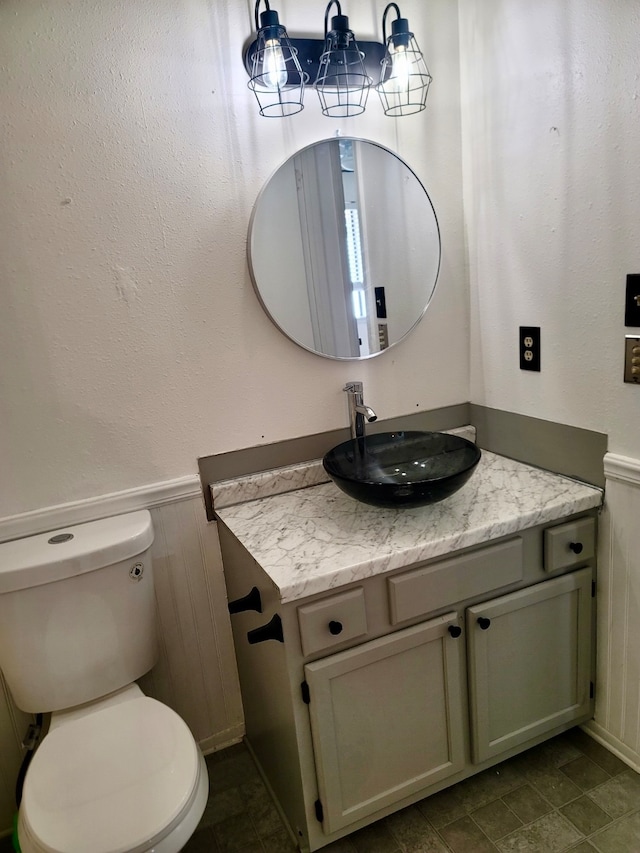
(632, 301)
(529, 348)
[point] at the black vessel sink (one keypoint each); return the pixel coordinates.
(402, 469)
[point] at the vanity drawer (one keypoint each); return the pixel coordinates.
(441, 584)
(332, 620)
(569, 544)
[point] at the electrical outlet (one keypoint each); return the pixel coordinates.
(530, 348)
(632, 301)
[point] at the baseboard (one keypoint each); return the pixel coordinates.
(606, 739)
(221, 740)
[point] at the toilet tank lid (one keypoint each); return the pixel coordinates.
(61, 554)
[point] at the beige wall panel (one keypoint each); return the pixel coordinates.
(196, 672)
(617, 717)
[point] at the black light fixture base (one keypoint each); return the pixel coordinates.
(310, 51)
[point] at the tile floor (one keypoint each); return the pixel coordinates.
(566, 794)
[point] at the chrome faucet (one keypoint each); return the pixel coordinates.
(357, 409)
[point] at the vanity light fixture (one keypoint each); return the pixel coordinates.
(404, 78)
(342, 69)
(276, 77)
(342, 83)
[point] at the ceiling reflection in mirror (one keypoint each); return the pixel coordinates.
(344, 248)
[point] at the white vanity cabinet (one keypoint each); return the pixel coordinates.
(529, 663)
(386, 720)
(378, 693)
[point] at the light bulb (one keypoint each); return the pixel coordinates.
(274, 67)
(399, 80)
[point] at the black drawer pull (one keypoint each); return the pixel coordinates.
(484, 622)
(251, 601)
(576, 547)
(271, 631)
(335, 628)
(455, 631)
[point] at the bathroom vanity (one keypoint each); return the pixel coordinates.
(386, 654)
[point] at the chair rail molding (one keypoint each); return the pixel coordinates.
(625, 469)
(101, 506)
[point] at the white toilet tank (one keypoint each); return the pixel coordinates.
(77, 612)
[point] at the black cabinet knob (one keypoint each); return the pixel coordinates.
(484, 622)
(271, 631)
(251, 601)
(455, 631)
(576, 547)
(335, 628)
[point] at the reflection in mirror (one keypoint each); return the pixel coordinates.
(344, 248)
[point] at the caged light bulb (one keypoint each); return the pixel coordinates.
(401, 70)
(274, 67)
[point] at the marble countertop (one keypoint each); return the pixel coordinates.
(315, 539)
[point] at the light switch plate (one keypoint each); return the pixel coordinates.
(632, 359)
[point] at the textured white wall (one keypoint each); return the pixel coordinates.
(131, 153)
(551, 112)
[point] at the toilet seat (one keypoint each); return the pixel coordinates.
(117, 780)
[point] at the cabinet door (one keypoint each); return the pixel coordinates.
(529, 662)
(386, 719)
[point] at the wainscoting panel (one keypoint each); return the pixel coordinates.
(617, 716)
(196, 672)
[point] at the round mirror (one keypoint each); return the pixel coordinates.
(344, 248)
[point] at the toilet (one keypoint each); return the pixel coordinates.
(117, 771)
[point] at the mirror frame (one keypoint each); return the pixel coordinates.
(252, 272)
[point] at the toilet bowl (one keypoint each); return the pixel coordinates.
(123, 775)
(117, 771)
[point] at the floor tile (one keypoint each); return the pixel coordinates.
(443, 808)
(249, 848)
(619, 795)
(202, 841)
(230, 767)
(548, 755)
(554, 786)
(221, 805)
(235, 833)
(465, 836)
(622, 837)
(585, 815)
(526, 803)
(584, 773)
(564, 795)
(343, 845)
(596, 752)
(496, 819)
(413, 832)
(263, 812)
(551, 833)
(488, 785)
(375, 838)
(278, 842)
